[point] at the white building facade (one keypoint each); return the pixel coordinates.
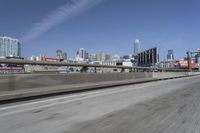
(9, 47)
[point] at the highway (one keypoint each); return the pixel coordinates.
(168, 106)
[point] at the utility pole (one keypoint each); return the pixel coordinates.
(189, 58)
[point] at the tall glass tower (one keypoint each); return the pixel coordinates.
(170, 55)
(136, 47)
(9, 47)
(82, 53)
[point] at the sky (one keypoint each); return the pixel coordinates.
(111, 26)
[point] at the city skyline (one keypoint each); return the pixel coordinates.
(109, 25)
(85, 54)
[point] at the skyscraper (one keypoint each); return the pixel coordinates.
(102, 56)
(82, 53)
(93, 57)
(64, 56)
(9, 47)
(59, 54)
(170, 55)
(136, 47)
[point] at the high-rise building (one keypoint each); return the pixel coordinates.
(93, 57)
(9, 47)
(59, 54)
(136, 47)
(170, 55)
(198, 52)
(101, 56)
(64, 56)
(82, 53)
(116, 58)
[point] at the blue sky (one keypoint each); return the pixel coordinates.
(101, 25)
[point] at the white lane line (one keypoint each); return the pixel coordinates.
(62, 102)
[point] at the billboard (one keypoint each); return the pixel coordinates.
(148, 58)
(184, 64)
(11, 70)
(43, 58)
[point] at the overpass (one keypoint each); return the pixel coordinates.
(84, 65)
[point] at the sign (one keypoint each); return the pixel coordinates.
(11, 68)
(184, 64)
(51, 59)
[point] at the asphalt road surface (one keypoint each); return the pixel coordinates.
(170, 106)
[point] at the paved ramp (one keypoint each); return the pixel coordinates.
(170, 106)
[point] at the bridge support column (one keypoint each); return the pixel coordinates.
(95, 70)
(122, 70)
(84, 69)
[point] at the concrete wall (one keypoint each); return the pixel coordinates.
(161, 75)
(18, 82)
(168, 74)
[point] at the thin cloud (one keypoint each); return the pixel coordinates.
(60, 15)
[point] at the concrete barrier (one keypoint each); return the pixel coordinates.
(22, 86)
(18, 82)
(52, 90)
(165, 75)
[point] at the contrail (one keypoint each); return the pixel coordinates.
(58, 16)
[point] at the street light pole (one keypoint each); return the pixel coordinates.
(189, 58)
